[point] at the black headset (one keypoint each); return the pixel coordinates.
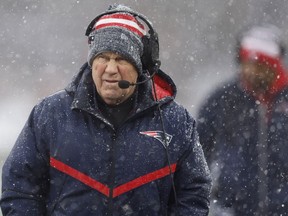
(150, 58)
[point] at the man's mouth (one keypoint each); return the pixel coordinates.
(111, 81)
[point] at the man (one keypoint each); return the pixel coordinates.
(243, 130)
(114, 142)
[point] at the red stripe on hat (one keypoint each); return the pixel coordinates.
(136, 31)
(143, 180)
(124, 16)
(121, 20)
(252, 55)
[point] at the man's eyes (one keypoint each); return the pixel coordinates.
(103, 58)
(121, 60)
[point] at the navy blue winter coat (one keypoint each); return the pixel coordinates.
(70, 160)
(247, 149)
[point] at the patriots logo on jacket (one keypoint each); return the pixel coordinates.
(159, 135)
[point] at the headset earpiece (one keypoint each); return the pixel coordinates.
(150, 57)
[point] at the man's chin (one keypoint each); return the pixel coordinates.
(111, 99)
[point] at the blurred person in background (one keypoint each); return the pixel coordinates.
(243, 129)
(114, 142)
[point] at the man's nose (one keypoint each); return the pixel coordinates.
(112, 66)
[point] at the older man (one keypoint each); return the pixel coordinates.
(114, 142)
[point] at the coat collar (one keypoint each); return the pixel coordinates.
(82, 87)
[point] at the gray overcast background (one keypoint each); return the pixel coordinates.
(42, 45)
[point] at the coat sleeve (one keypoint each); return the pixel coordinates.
(25, 175)
(192, 177)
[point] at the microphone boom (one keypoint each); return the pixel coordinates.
(124, 84)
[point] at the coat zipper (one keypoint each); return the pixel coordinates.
(112, 175)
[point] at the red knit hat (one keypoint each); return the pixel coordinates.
(262, 44)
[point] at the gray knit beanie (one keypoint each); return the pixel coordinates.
(118, 32)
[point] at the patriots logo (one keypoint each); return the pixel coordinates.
(159, 135)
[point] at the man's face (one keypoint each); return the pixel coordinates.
(107, 70)
(259, 76)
